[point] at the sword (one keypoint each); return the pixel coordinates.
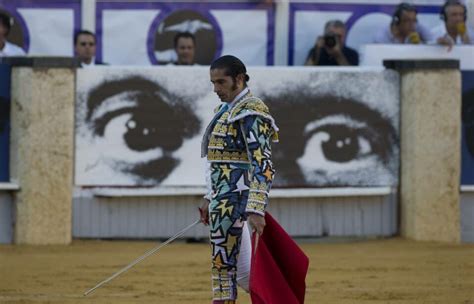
(147, 254)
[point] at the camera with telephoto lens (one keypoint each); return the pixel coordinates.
(330, 40)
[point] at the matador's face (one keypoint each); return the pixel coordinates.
(226, 87)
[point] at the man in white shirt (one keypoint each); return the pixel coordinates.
(454, 29)
(185, 48)
(404, 28)
(85, 47)
(7, 48)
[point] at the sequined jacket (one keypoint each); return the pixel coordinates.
(243, 135)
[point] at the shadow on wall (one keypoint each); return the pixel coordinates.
(4, 114)
(468, 119)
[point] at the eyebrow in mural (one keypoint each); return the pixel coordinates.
(333, 141)
(142, 122)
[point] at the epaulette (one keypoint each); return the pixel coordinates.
(253, 106)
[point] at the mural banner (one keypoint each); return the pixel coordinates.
(141, 33)
(43, 27)
(143, 126)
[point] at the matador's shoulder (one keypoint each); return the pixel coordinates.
(249, 106)
(253, 106)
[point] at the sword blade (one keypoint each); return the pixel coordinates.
(144, 256)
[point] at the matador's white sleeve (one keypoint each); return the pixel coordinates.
(208, 195)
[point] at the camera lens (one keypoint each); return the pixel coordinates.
(329, 41)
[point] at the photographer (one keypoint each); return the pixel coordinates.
(330, 48)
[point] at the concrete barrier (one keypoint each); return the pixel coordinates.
(41, 150)
(430, 148)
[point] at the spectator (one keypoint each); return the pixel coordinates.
(404, 28)
(7, 48)
(185, 47)
(454, 29)
(84, 48)
(330, 49)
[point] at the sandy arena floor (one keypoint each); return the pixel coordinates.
(374, 271)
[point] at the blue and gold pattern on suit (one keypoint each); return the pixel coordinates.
(226, 214)
(226, 142)
(238, 147)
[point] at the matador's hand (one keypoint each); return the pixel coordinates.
(204, 212)
(256, 222)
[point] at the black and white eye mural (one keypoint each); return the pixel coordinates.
(336, 128)
(129, 127)
(144, 126)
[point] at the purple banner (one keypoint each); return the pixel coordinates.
(52, 23)
(141, 33)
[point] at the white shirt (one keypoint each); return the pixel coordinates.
(440, 31)
(88, 65)
(174, 63)
(386, 36)
(11, 49)
(240, 95)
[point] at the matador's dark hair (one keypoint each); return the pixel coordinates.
(232, 65)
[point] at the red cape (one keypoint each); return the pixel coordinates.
(279, 267)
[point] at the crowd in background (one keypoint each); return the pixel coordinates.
(329, 49)
(404, 28)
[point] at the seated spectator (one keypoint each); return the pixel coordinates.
(330, 49)
(454, 29)
(8, 48)
(84, 48)
(404, 28)
(185, 47)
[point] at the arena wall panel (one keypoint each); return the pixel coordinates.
(467, 216)
(161, 217)
(6, 217)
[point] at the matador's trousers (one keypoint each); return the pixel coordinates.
(227, 215)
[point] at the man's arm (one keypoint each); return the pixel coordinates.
(258, 132)
(446, 40)
(315, 53)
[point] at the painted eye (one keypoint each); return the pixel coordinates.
(332, 141)
(342, 144)
(135, 131)
(143, 126)
(340, 139)
(340, 147)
